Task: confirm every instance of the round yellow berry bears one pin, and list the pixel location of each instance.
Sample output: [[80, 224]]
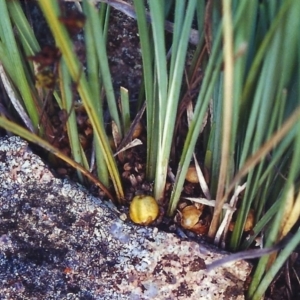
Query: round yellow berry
[[191, 175], [143, 210], [190, 216]]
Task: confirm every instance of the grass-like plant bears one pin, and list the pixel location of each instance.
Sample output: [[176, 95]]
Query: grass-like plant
[[243, 118]]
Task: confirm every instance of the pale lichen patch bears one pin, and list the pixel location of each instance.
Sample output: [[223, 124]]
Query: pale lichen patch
[[59, 242]]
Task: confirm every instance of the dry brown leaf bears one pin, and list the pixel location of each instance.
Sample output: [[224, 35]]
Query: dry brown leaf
[[201, 178], [116, 134], [135, 142]]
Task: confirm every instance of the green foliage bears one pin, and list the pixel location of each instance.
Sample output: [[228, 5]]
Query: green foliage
[[245, 116], [88, 90]]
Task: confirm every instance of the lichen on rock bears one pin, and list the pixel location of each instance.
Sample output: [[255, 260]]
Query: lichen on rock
[[57, 241]]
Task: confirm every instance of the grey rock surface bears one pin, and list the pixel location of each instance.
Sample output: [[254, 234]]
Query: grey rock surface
[[59, 242]]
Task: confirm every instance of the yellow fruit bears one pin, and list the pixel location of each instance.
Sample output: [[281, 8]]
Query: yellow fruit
[[249, 224], [249, 221], [191, 175], [137, 130], [143, 210], [190, 216]]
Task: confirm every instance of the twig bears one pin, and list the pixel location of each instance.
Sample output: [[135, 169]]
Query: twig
[[210, 202], [248, 254], [223, 228]]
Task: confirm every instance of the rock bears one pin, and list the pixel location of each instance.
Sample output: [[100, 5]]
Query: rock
[[59, 242]]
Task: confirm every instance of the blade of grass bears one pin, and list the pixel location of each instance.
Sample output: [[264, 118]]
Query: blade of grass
[[125, 112], [282, 257], [14, 99], [50, 9], [95, 82], [67, 102], [167, 107], [263, 124], [148, 78], [19, 76], [26, 33], [227, 113], [202, 102], [213, 153], [200, 19], [99, 40], [157, 16], [18, 130], [265, 148], [252, 74], [5, 61], [260, 283], [261, 224], [178, 23]]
